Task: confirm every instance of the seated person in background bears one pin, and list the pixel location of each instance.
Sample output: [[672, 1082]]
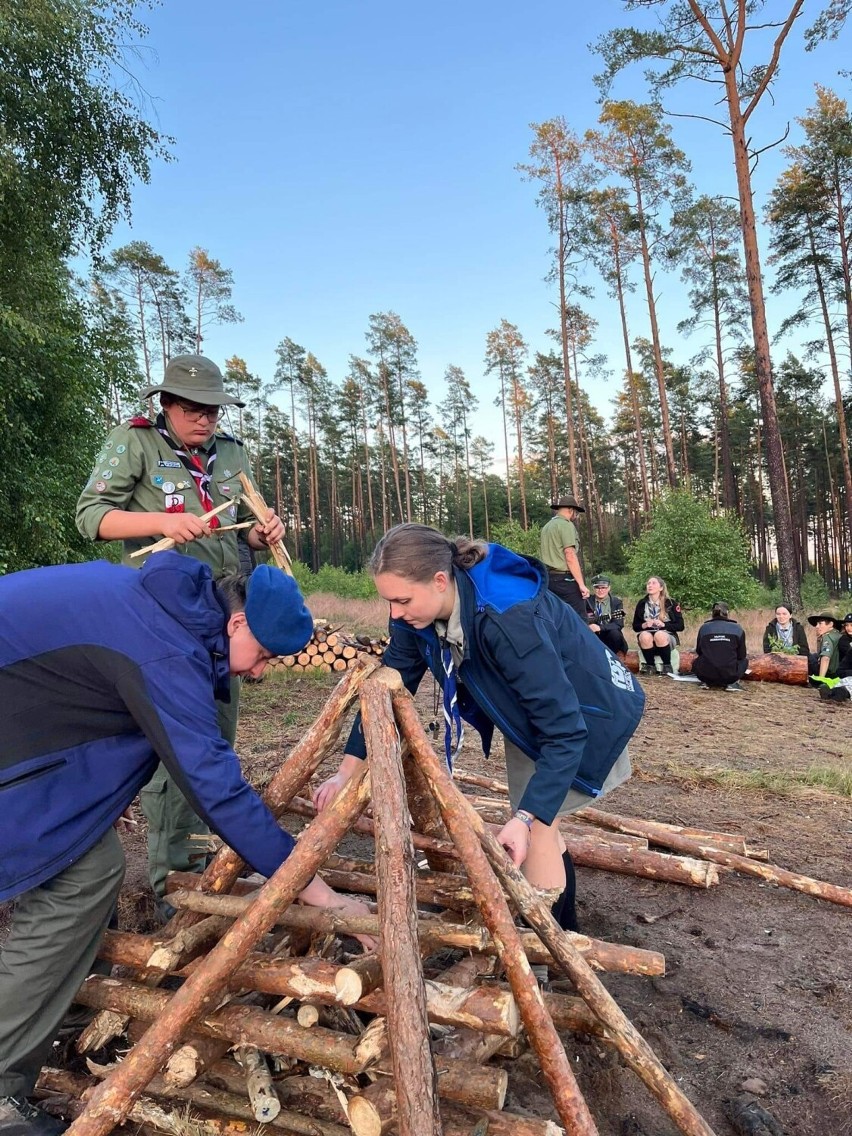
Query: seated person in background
[[658, 619], [844, 648], [605, 613], [720, 651], [824, 662], [786, 633]]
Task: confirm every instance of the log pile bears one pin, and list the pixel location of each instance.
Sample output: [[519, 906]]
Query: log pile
[[331, 649], [277, 1023]]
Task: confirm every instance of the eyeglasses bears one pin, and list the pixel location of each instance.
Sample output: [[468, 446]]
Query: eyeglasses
[[598, 587], [197, 412]]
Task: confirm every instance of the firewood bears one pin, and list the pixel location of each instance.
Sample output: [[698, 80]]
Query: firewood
[[465, 827], [311, 649], [404, 990], [328, 657], [358, 979], [265, 1105], [192, 1059], [316, 660], [333, 639], [668, 834], [349, 652], [112, 1100], [495, 913], [427, 820], [308, 1015], [339, 665], [436, 933], [167, 542], [303, 659], [252, 498]]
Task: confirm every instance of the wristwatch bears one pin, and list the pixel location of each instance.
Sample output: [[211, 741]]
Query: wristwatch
[[522, 814]]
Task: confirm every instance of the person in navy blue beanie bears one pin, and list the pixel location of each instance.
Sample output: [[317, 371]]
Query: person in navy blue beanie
[[109, 671]]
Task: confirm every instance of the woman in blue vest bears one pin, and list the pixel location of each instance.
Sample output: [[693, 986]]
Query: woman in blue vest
[[509, 655]]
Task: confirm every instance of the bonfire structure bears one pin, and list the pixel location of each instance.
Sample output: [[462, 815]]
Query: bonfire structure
[[243, 1010]]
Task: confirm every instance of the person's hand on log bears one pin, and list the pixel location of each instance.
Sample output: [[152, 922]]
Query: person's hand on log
[[515, 838], [183, 528], [319, 894], [325, 794], [272, 530]]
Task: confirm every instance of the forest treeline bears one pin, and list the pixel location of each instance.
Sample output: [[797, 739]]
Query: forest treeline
[[343, 457]]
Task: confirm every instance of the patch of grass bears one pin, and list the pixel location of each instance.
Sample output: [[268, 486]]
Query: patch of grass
[[786, 782]]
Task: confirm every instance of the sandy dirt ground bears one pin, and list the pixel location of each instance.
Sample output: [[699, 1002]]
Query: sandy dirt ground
[[756, 1003]]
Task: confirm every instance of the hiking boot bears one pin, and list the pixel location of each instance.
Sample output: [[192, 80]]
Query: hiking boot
[[703, 686], [646, 669], [734, 686], [667, 669], [20, 1118]]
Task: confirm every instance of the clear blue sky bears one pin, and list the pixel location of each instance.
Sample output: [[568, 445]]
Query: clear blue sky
[[354, 156]]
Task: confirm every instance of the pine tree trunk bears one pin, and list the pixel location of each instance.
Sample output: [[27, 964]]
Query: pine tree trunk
[[631, 381]]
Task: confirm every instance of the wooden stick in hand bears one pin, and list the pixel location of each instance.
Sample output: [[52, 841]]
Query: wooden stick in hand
[[167, 542]]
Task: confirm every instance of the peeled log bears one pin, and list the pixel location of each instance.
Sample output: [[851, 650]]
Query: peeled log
[[792, 670]]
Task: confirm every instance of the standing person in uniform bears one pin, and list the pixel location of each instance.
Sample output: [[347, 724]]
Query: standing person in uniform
[[110, 671], [605, 615], [824, 662], [158, 478], [786, 631], [657, 619], [720, 650], [560, 551], [509, 655]]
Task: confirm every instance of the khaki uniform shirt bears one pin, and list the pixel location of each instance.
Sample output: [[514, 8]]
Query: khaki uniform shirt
[[137, 470], [558, 534]]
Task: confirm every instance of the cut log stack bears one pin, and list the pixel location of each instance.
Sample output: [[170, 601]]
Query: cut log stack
[[331, 649], [325, 1043]]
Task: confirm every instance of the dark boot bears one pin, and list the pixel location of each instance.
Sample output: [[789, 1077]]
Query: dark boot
[[564, 911], [20, 1118], [665, 654]]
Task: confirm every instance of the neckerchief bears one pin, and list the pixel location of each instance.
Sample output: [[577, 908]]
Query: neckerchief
[[652, 610], [785, 634], [602, 607], [452, 717], [201, 474]]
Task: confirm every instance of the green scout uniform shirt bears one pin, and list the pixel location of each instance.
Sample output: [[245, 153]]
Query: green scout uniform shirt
[[829, 648], [558, 534], [134, 465]]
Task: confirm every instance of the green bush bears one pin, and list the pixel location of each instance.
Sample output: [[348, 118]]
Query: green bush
[[815, 597], [512, 535], [702, 557], [347, 585]]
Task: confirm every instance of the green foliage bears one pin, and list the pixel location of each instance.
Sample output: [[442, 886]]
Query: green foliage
[[777, 647], [815, 597], [512, 535], [348, 585], [702, 558]]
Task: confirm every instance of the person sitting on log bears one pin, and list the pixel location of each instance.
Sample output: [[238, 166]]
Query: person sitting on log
[[785, 635], [824, 662], [657, 619], [510, 655], [605, 615], [109, 671], [720, 651]]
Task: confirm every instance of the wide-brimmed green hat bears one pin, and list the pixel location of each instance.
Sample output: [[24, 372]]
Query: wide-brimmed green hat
[[195, 378]]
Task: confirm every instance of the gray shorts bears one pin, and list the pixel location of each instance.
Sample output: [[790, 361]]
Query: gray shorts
[[519, 769]]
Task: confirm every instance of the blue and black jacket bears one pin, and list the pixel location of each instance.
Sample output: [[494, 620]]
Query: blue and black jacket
[[104, 671], [533, 670]]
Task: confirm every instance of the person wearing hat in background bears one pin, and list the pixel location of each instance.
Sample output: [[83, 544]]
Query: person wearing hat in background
[[844, 647], [605, 615], [824, 662], [110, 671], [720, 651], [157, 479], [560, 551]]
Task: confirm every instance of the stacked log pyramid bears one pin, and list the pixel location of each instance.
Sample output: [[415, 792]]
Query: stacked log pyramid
[[325, 1046]]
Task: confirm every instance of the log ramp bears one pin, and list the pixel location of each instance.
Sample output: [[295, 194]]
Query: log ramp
[[265, 1020]]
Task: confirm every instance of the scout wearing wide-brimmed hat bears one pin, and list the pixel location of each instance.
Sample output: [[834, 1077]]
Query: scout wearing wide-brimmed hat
[[560, 551], [824, 662], [158, 477]]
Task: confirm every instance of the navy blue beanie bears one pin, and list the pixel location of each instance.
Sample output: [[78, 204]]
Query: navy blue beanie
[[276, 612]]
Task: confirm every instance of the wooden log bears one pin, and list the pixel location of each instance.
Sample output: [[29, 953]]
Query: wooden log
[[192, 1059], [339, 665], [358, 979], [251, 496], [464, 1043], [465, 827], [235, 1023], [439, 894], [495, 913], [312, 650], [112, 1100], [427, 820], [668, 835], [303, 659], [791, 670], [316, 661], [350, 652], [329, 657], [484, 1009], [642, 862], [265, 1105], [308, 1015], [373, 1113], [404, 991], [312, 1096], [207, 1097], [434, 933]]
